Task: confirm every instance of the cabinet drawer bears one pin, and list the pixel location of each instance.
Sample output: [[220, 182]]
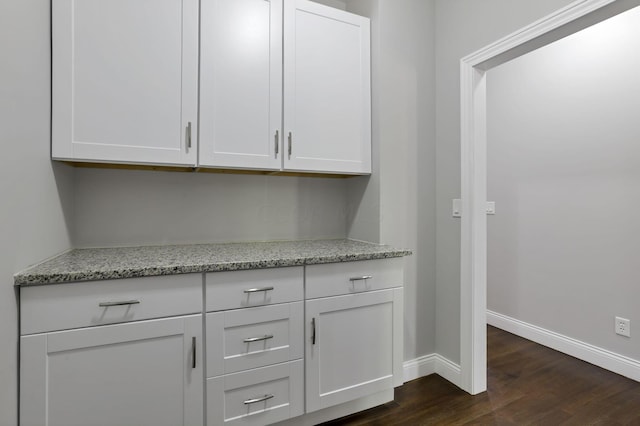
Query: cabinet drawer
[[256, 287], [254, 337], [256, 397], [333, 279], [83, 304]]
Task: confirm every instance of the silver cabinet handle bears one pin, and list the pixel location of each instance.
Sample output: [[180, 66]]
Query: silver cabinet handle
[[258, 339], [193, 352], [254, 400], [277, 142], [258, 290], [120, 303], [364, 277], [189, 135], [290, 137], [313, 331]]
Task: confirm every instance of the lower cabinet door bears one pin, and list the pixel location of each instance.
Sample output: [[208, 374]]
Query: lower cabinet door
[[142, 373], [353, 346], [256, 397]]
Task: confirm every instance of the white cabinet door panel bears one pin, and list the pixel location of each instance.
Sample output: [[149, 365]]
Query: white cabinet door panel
[[128, 374], [241, 84], [327, 101], [351, 347], [125, 80]]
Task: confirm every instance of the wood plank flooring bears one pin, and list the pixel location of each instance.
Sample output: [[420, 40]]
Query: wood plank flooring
[[529, 384]]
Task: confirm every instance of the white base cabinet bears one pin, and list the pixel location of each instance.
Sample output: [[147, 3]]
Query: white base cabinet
[[298, 344], [113, 353], [255, 366], [353, 330], [142, 373], [350, 351]]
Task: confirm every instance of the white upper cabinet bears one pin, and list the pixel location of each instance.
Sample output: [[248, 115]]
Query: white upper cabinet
[[241, 84], [327, 93], [282, 85], [327, 89], [125, 81]]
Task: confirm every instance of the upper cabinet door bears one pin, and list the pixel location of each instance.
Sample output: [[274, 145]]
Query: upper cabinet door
[[125, 81], [327, 89], [241, 84]]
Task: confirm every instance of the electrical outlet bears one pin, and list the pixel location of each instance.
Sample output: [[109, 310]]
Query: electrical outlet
[[623, 327]]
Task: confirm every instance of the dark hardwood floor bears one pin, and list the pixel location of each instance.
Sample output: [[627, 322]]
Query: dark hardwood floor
[[529, 384]]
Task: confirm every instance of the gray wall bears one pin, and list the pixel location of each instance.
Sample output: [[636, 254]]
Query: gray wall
[[338, 4], [35, 215], [406, 127], [396, 205], [130, 207], [564, 169], [462, 27]]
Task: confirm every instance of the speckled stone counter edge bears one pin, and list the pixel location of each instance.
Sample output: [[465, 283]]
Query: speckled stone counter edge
[[243, 257]]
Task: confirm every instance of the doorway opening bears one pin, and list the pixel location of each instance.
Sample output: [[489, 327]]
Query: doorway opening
[[569, 20]]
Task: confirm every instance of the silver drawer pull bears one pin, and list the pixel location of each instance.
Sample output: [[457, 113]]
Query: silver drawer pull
[[262, 398], [120, 303], [258, 339], [258, 290], [364, 277]]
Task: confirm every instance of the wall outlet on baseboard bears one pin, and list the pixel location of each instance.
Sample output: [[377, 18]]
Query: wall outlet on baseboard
[[623, 327]]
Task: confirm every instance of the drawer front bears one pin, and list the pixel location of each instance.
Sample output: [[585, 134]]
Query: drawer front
[[83, 304], [256, 287], [334, 279], [254, 337], [256, 397]]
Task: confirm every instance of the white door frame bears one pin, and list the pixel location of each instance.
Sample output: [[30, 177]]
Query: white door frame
[[473, 87]]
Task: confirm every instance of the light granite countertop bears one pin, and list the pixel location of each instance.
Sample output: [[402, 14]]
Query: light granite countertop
[[128, 262]]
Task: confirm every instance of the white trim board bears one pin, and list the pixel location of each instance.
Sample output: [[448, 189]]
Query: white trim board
[[473, 140], [595, 355], [432, 364]]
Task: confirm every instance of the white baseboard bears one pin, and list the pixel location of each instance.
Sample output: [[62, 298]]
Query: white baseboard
[[606, 359], [419, 367], [432, 364]]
